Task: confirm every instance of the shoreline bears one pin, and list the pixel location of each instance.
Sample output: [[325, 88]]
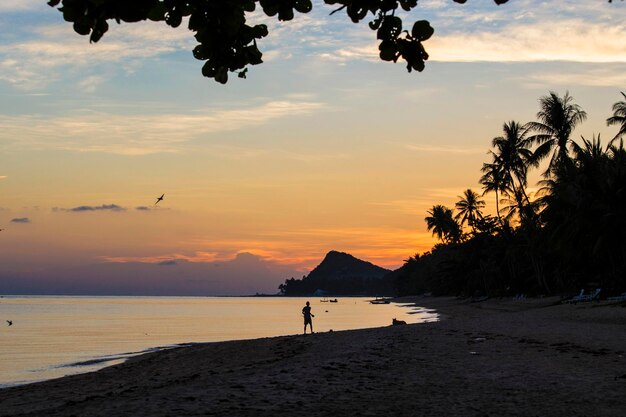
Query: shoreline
[[497, 357], [136, 337]]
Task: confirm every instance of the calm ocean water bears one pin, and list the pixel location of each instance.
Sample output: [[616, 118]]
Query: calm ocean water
[[56, 336]]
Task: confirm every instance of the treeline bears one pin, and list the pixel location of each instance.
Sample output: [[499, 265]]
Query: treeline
[[569, 234]]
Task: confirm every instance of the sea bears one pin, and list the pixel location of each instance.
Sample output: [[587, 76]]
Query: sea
[[62, 335]]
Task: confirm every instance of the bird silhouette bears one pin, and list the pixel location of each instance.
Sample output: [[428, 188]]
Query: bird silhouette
[[10, 322], [159, 199]]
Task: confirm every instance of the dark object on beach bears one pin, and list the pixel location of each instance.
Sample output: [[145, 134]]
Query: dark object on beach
[[395, 322], [10, 322], [380, 300], [334, 301]]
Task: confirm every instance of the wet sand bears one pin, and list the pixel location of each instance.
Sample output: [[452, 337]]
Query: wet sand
[[494, 358]]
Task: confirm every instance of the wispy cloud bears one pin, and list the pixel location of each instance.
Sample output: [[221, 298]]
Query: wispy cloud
[[3, 177], [306, 247], [34, 63], [609, 75], [572, 40], [167, 259], [139, 134], [103, 207], [20, 220], [444, 149], [301, 249], [91, 83], [566, 40], [20, 5]]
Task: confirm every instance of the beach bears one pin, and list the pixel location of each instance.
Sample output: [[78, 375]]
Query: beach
[[492, 358]]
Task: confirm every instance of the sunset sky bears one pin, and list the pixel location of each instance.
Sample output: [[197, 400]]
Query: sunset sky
[[322, 147]]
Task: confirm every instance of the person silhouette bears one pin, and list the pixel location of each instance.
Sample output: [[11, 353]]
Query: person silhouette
[[306, 312]]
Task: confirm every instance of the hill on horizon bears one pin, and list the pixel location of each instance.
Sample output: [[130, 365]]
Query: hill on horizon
[[340, 273]]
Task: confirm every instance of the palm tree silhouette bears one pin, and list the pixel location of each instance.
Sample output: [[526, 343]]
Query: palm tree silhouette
[[558, 117], [618, 118], [468, 208], [493, 180], [583, 207], [441, 222], [512, 157]]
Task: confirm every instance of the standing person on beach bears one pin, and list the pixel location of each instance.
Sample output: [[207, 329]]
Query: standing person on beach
[[306, 312]]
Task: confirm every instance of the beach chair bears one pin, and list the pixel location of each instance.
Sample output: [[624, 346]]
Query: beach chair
[[595, 295], [582, 297], [575, 298]]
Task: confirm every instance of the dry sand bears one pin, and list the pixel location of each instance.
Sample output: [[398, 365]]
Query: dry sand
[[494, 358]]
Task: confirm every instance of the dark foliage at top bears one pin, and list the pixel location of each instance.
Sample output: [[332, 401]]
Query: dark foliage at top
[[228, 44], [341, 274]]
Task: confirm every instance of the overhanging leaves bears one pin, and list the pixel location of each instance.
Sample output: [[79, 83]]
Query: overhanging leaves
[[228, 44]]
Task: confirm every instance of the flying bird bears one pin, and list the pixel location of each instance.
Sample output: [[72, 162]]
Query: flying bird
[[10, 322], [159, 199]]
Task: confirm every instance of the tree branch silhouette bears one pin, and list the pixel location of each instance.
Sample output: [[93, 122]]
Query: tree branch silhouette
[[228, 44]]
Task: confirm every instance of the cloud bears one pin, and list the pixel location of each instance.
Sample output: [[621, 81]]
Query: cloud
[[19, 5], [443, 149], [171, 262], [3, 177], [20, 220], [140, 134], [550, 40], [143, 208], [34, 63], [103, 207], [91, 83], [199, 256], [572, 40], [302, 249], [608, 75]]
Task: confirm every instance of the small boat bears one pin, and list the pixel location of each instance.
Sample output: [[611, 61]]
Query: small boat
[[380, 300], [334, 301]]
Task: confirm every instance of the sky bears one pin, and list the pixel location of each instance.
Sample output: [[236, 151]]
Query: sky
[[323, 147]]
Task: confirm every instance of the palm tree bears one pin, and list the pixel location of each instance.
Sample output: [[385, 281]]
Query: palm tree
[[583, 212], [512, 156], [468, 208], [558, 118], [619, 117], [441, 222], [493, 180]]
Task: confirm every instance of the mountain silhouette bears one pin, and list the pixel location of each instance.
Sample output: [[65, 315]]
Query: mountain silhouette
[[340, 273], [339, 265]]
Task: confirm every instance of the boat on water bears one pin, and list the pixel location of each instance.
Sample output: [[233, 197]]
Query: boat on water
[[380, 300]]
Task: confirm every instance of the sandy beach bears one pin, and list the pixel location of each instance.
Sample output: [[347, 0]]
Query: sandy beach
[[493, 358]]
